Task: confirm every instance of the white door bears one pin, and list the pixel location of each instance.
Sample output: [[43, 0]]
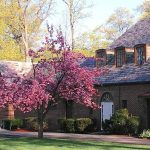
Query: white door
[[106, 111]]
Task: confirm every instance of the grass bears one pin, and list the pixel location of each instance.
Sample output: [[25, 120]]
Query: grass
[[59, 144]]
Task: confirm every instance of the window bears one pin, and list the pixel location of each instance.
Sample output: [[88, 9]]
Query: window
[[120, 56], [101, 57], [140, 54], [107, 97], [129, 57], [124, 103]]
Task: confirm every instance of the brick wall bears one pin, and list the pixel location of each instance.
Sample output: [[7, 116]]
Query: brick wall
[[136, 105]]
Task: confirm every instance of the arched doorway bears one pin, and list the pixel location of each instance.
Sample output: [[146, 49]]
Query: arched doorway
[[107, 107]]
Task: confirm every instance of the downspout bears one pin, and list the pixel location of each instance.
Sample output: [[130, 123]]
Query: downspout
[[119, 94]]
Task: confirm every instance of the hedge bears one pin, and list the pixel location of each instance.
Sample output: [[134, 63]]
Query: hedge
[[79, 125], [82, 124], [31, 123], [12, 124]]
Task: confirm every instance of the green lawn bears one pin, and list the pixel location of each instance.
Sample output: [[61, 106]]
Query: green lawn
[[58, 144]]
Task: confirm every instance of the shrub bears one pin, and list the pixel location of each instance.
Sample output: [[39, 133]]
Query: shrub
[[133, 124], [31, 123], [122, 112], [82, 124], [12, 124], [69, 125], [145, 134], [78, 125], [122, 123], [119, 125], [118, 121]]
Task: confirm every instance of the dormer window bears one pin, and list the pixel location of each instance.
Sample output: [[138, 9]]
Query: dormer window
[[140, 54], [101, 57], [120, 56]]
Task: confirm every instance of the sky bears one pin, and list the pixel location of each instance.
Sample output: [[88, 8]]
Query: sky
[[104, 8], [99, 13]]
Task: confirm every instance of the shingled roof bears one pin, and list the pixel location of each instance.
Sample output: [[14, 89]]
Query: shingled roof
[[137, 34], [129, 73]]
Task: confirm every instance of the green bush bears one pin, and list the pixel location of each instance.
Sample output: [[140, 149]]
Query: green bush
[[133, 124], [69, 125], [78, 125], [145, 134], [118, 121], [31, 123], [122, 123], [122, 112], [82, 124], [12, 124]]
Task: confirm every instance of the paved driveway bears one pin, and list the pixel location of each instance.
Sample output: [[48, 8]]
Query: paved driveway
[[94, 137]]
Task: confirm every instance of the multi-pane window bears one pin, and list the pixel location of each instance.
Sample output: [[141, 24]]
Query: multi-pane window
[[107, 97], [120, 57], [124, 103], [140, 55], [101, 57]]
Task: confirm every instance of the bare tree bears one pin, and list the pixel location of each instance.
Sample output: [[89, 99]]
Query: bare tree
[[76, 12], [117, 23]]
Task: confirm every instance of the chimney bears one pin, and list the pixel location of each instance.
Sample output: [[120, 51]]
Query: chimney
[[101, 58]]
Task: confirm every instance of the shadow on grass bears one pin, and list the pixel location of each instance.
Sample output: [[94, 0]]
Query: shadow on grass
[[69, 144]]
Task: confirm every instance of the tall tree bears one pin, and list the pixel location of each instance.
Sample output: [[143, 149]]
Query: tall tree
[[24, 20], [9, 49], [117, 23], [144, 9], [76, 12], [88, 42], [103, 35]]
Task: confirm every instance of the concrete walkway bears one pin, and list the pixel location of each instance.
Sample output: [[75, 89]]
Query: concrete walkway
[[93, 137]]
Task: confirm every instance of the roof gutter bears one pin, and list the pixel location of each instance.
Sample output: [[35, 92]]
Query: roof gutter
[[123, 83]]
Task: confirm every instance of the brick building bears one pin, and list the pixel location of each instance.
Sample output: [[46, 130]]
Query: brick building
[[126, 85]]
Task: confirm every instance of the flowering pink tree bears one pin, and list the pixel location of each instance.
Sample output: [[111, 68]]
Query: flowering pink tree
[[59, 77], [55, 80], [2, 91], [7, 91]]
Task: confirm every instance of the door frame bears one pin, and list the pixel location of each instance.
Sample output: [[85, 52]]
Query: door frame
[[102, 112], [106, 97]]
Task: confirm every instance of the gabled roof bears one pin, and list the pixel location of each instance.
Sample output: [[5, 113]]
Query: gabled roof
[[137, 34], [129, 73]]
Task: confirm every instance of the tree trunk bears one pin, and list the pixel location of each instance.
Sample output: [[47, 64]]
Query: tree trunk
[[25, 37], [40, 125], [71, 21], [40, 130]]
